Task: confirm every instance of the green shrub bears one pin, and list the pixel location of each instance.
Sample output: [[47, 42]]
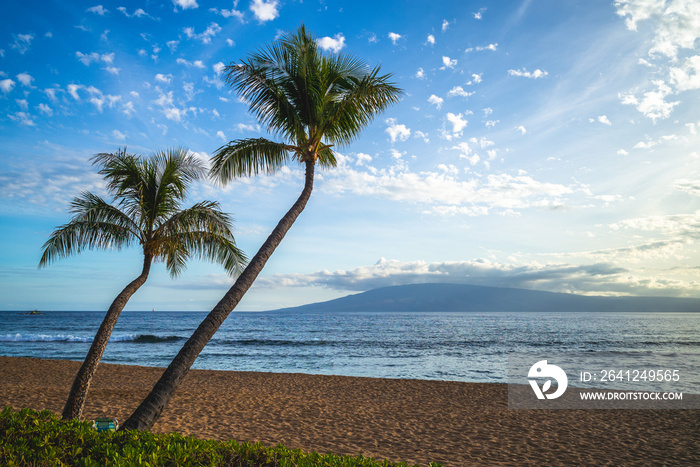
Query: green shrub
[[31, 438]]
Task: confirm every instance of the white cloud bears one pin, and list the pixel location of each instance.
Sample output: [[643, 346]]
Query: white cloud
[[196, 63], [445, 25], [691, 187], [673, 32], [22, 118], [687, 76], [22, 42], [247, 127], [26, 79], [459, 91], [394, 37], [118, 135], [676, 22], [622, 152], [161, 78], [362, 158], [458, 123], [431, 39], [435, 100], [23, 104], [527, 74], [185, 4], [229, 13], [112, 70], [653, 103], [444, 193], [476, 79], [397, 131], [335, 44], [45, 109], [467, 153], [73, 90], [220, 134], [98, 10], [128, 109], [264, 11], [230, 43], [93, 57], [423, 136], [205, 37], [396, 154], [521, 129], [644, 145], [218, 67], [174, 114], [448, 62], [604, 120], [480, 48], [138, 13], [420, 74]]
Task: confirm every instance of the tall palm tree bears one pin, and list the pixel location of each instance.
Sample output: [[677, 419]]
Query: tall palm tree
[[313, 101], [148, 194]]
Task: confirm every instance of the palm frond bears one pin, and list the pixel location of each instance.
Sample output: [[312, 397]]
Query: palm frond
[[354, 104], [312, 99], [246, 157], [326, 158], [173, 172], [202, 231], [95, 225], [203, 245]]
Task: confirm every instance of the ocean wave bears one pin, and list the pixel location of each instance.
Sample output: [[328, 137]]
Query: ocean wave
[[273, 342], [137, 338]]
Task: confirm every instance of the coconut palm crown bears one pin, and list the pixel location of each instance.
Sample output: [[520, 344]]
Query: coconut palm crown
[[313, 102], [148, 194]]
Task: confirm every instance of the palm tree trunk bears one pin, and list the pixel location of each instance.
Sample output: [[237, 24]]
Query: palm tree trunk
[[150, 409], [81, 384]]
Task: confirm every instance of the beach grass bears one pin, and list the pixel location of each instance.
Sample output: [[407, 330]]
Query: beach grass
[[42, 439]]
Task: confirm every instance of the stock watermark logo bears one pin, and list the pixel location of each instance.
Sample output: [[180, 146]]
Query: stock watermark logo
[[542, 369]]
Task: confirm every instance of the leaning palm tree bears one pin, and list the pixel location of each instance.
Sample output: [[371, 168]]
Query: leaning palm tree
[[314, 102], [148, 194]]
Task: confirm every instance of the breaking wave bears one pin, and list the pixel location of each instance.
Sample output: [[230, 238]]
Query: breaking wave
[[137, 338]]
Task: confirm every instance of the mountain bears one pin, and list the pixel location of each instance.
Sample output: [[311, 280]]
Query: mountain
[[460, 297]]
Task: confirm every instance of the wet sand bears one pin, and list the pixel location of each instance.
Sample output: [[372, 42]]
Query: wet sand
[[414, 421]]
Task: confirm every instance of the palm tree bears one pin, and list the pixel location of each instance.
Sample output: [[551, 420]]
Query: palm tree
[[149, 192], [311, 100]]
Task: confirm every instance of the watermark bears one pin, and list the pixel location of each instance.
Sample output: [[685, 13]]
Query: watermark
[[542, 369], [605, 380]]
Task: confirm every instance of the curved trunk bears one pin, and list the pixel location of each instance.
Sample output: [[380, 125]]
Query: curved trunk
[[150, 409], [81, 384]]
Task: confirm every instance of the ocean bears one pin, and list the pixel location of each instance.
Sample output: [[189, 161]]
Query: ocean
[[470, 347]]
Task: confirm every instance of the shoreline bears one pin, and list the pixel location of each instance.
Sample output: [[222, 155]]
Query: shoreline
[[415, 421]]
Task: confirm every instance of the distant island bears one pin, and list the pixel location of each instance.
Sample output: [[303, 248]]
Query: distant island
[[474, 298]]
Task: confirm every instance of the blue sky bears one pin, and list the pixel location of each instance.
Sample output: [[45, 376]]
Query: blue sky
[[540, 144]]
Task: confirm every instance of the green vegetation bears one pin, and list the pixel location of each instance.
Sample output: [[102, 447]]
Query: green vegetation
[[41, 439]]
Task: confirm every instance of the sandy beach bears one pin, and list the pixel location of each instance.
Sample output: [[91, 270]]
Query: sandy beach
[[401, 420]]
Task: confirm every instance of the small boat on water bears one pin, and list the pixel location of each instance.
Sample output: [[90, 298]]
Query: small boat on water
[[33, 312]]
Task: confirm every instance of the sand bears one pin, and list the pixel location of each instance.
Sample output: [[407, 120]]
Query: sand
[[413, 421]]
